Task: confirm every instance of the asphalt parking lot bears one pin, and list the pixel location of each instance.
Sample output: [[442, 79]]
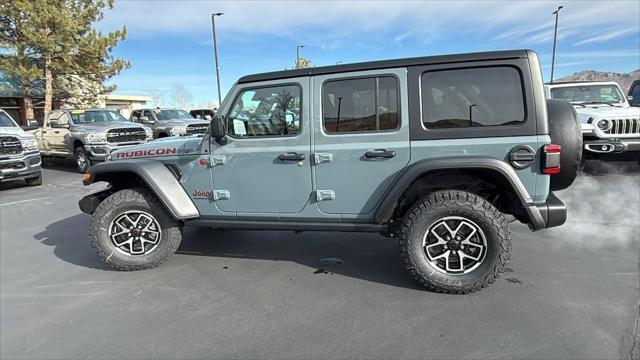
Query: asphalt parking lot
[[570, 292]]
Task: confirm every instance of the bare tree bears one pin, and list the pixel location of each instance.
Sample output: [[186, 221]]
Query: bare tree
[[181, 97], [157, 96]]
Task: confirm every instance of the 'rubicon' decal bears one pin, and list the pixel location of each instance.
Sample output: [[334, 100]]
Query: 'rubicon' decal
[[203, 194], [146, 153]]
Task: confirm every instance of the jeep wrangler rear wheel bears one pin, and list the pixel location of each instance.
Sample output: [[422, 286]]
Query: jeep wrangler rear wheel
[[455, 242], [131, 230]]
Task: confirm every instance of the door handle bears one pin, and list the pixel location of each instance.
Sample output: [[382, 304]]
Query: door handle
[[380, 154], [292, 156], [56, 132]]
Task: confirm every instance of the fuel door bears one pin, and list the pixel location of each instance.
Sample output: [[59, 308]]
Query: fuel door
[[521, 156]]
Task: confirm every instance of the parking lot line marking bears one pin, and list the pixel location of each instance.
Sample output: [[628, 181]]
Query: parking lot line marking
[[22, 201]]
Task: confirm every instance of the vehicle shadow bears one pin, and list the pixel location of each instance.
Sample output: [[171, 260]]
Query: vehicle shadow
[[66, 165], [69, 239], [365, 256], [368, 257], [12, 184]]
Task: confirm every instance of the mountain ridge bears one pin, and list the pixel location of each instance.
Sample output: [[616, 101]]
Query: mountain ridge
[[623, 79]]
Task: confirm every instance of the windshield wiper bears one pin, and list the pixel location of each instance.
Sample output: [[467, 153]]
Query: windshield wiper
[[597, 103]]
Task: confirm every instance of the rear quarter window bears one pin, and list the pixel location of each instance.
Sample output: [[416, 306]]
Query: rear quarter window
[[472, 97]]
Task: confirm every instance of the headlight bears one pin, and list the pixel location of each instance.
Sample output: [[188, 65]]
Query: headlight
[[149, 133], [604, 125], [29, 144], [96, 138], [177, 131]]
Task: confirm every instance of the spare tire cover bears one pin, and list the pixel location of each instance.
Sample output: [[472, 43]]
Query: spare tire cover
[[565, 130]]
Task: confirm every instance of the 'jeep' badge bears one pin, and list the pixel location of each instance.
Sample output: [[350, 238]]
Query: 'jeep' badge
[[202, 194]]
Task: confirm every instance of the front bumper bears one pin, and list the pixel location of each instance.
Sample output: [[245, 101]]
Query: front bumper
[[615, 149], [99, 152], [21, 166], [552, 213]]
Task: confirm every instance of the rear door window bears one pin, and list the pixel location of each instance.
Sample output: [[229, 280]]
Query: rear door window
[[360, 105], [472, 97]]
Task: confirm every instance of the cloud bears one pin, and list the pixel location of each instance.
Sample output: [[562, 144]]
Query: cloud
[[606, 36], [515, 22]]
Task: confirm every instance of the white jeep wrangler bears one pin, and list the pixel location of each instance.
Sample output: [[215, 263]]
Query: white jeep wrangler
[[610, 126]]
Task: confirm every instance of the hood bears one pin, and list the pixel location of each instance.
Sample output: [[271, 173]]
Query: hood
[[182, 122], [98, 127], [16, 131], [606, 112], [169, 146]]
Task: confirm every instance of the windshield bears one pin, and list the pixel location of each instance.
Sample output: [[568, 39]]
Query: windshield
[[5, 121], [169, 114], [589, 94], [95, 116]]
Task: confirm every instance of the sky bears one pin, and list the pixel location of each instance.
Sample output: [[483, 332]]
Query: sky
[[169, 43]]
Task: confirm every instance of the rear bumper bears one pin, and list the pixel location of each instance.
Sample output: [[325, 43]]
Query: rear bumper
[[20, 167], [618, 149], [552, 213]]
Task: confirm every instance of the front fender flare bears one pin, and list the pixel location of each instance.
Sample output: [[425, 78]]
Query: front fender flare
[[157, 176], [385, 209]]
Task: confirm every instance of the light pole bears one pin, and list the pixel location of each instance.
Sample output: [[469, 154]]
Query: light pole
[[298, 55], [215, 54], [555, 35]]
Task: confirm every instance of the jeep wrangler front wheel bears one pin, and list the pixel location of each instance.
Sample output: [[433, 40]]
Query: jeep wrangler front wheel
[[131, 230], [455, 242]]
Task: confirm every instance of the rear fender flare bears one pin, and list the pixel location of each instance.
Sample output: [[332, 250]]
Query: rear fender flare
[[385, 209], [158, 178]]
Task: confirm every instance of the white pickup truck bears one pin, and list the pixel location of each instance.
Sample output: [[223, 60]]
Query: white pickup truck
[[610, 126]]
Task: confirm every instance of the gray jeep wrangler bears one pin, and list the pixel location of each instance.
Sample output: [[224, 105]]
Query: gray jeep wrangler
[[435, 151]]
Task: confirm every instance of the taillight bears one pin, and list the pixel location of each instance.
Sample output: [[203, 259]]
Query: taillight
[[551, 161]]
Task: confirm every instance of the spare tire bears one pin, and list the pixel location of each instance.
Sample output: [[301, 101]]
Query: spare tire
[[565, 130]]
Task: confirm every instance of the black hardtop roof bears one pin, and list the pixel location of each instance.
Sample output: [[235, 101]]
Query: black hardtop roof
[[387, 64]]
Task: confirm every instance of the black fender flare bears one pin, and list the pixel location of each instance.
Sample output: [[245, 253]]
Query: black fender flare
[[384, 212], [158, 178]]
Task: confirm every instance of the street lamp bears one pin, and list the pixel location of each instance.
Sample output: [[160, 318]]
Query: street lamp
[[215, 54], [555, 35], [298, 55]]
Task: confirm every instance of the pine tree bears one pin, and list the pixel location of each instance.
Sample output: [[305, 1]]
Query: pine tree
[[18, 57], [74, 59]]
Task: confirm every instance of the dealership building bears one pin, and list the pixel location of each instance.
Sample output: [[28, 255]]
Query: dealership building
[[12, 100]]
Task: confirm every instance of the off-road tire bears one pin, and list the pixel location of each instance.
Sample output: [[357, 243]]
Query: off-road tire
[[80, 151], [34, 181], [442, 204], [128, 200]]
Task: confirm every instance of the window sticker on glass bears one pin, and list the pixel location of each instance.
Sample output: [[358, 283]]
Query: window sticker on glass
[[238, 128]]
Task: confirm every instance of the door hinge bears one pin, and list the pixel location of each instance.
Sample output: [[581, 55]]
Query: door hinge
[[221, 195], [323, 195], [218, 160], [319, 158]]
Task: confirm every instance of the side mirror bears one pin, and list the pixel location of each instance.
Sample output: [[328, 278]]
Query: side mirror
[[207, 117], [56, 124], [146, 120], [217, 129]]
